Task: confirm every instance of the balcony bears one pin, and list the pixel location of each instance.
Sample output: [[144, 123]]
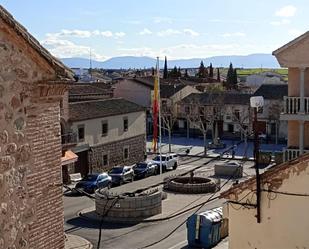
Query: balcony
[[291, 153], [292, 105], [68, 140]]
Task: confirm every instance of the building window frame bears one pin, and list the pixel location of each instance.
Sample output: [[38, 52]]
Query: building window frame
[[104, 128], [126, 153], [125, 124], [81, 132]]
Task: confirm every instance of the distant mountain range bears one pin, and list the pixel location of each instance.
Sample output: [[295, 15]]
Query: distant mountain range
[[126, 62]]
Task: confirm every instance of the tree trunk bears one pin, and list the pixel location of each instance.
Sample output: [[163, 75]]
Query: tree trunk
[[169, 141], [246, 146], [188, 129], [205, 144]]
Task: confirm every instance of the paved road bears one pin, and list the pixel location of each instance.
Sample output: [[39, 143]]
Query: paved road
[[139, 235]]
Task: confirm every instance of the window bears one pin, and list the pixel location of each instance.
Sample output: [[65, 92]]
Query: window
[[81, 132], [126, 153], [105, 160], [201, 110], [125, 124], [104, 128]]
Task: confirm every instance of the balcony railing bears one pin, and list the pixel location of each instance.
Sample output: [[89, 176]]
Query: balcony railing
[[291, 153], [69, 138], [292, 105]]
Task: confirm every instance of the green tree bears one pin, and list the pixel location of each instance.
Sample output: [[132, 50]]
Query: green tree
[[230, 77], [218, 75], [165, 72], [186, 73], [202, 71], [179, 72], [174, 73], [211, 71], [235, 78]]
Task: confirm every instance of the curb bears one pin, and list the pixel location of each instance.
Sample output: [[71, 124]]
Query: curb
[[75, 241]]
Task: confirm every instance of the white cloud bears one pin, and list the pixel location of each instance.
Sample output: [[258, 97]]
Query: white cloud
[[75, 33], [66, 49], [236, 34], [145, 31], [106, 33], [286, 11], [86, 33], [191, 32], [280, 22], [169, 32], [295, 32], [119, 34], [197, 51]]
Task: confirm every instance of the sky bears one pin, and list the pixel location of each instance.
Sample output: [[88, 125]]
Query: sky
[[173, 28]]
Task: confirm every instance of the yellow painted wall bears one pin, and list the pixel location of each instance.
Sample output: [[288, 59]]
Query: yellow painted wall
[[284, 219]]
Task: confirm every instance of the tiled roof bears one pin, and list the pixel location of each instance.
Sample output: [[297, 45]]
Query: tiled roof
[[272, 91], [149, 81], [85, 89], [59, 67], [167, 91], [228, 98], [85, 110]]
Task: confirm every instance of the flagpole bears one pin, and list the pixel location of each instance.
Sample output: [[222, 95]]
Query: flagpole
[[159, 106]]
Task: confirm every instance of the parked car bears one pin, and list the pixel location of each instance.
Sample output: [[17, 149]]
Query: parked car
[[144, 169], [121, 174], [169, 161], [91, 182]]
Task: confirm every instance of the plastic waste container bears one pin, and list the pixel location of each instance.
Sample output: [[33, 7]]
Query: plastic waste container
[[203, 229]]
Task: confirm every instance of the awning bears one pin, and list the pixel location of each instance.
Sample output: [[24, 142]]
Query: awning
[[69, 157]]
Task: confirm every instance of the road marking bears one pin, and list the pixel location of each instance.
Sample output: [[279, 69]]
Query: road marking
[[179, 244]]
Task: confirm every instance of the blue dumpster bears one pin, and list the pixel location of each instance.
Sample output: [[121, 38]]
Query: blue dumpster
[[203, 229]]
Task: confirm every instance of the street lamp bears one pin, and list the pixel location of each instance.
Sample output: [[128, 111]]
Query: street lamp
[[256, 103]]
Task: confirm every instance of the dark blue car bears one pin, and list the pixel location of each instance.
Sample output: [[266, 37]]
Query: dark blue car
[[92, 182]]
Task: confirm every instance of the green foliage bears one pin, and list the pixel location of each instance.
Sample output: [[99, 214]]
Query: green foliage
[[165, 72], [218, 75], [211, 71], [175, 73], [202, 71]]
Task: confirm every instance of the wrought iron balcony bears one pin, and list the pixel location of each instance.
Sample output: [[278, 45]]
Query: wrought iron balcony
[[69, 138]]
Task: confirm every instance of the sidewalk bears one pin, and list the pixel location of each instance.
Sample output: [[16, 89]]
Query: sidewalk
[[76, 242]]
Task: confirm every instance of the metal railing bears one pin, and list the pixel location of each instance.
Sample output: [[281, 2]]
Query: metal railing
[[69, 138]]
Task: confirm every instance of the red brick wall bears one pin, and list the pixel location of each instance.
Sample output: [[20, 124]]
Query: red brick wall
[[44, 178]]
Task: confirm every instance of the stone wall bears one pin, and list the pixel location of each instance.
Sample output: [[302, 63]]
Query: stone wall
[[30, 195], [137, 149], [128, 209]]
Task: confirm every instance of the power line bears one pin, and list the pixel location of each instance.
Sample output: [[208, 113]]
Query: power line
[[201, 205], [285, 193]]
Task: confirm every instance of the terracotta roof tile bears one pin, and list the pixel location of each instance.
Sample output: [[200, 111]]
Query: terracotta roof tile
[[85, 110]]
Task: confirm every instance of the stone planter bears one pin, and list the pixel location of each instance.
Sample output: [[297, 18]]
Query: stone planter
[[128, 208], [184, 185]]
